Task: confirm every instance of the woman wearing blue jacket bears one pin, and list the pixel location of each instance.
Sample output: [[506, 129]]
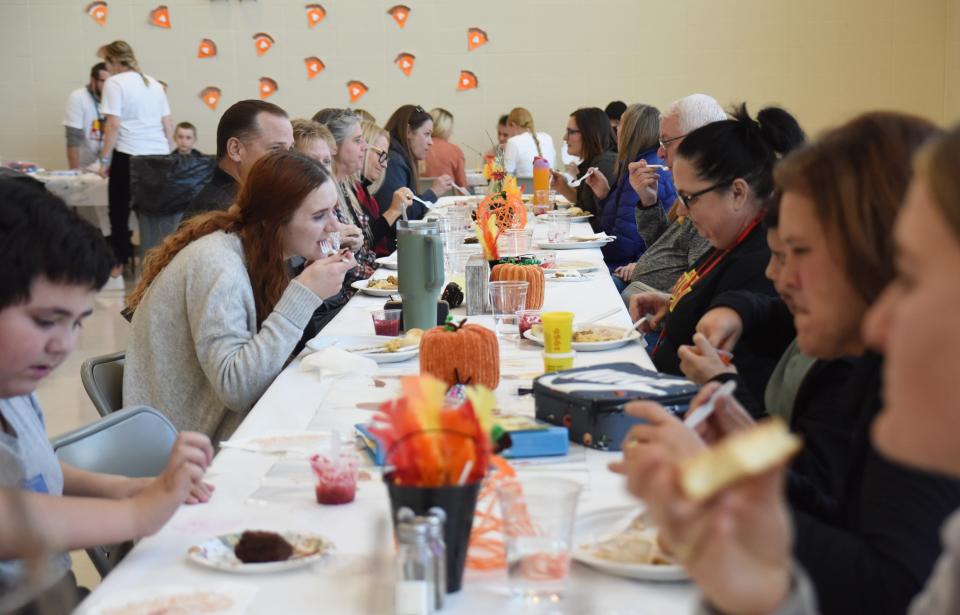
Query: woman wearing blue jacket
[[638, 138]]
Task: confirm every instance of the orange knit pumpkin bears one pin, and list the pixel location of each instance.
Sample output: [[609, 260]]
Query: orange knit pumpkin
[[524, 273], [461, 354]]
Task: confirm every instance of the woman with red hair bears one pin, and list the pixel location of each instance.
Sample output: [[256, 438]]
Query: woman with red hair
[[216, 315]]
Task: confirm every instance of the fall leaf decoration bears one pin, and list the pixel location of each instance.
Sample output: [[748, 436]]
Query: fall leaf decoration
[[433, 439], [400, 14], [356, 90], [160, 16], [404, 62], [315, 14], [468, 81], [267, 87], [98, 11], [210, 96], [315, 66], [476, 38], [207, 49], [263, 41]]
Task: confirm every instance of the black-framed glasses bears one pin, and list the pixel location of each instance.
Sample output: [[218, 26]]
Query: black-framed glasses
[[572, 131], [381, 155], [688, 199], [665, 143]]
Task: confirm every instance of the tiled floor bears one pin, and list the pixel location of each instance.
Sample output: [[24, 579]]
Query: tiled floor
[[64, 401]]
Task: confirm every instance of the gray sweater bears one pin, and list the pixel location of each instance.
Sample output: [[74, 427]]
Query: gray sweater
[[673, 249], [194, 350], [941, 596]]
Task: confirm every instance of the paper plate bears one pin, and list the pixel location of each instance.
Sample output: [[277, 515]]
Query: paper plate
[[537, 337], [354, 343], [573, 219], [574, 245], [388, 262], [593, 527], [361, 285], [217, 553]]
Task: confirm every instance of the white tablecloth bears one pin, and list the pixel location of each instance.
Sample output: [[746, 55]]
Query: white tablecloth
[[346, 583]]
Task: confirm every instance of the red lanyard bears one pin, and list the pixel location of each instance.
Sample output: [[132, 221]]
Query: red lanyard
[[685, 282]]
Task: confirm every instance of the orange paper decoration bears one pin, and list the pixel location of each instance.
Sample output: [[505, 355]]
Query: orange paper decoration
[[315, 66], [98, 11], [404, 62], [207, 49], [267, 87], [263, 41], [160, 16], [356, 89], [400, 14], [468, 81], [315, 14], [476, 38], [210, 96]]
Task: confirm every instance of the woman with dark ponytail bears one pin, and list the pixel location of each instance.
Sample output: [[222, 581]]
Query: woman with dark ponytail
[[723, 173]]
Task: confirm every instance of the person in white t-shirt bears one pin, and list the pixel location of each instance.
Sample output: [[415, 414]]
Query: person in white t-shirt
[[83, 122], [524, 144], [138, 123]]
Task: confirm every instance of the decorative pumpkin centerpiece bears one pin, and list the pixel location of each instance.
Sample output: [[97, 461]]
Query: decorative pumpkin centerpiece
[[460, 353], [531, 273]]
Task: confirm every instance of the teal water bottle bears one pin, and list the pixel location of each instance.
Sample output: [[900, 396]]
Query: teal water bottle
[[420, 268]]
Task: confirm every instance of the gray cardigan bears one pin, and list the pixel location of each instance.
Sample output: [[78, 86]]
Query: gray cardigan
[[941, 596], [194, 350]]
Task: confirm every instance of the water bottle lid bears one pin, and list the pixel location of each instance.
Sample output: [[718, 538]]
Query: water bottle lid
[[414, 531]]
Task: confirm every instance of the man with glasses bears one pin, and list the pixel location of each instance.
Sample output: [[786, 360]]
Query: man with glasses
[[673, 242], [83, 121]]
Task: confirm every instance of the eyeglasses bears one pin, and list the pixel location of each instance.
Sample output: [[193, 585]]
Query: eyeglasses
[[665, 143], [572, 131], [381, 155], [688, 199]]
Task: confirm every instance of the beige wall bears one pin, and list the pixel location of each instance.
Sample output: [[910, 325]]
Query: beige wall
[[822, 59]]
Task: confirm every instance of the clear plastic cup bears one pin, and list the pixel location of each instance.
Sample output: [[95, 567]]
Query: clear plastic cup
[[386, 322], [538, 517], [336, 483], [558, 227], [514, 242], [526, 319], [507, 298]]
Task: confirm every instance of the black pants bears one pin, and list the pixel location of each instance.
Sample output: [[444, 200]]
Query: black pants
[[118, 198]]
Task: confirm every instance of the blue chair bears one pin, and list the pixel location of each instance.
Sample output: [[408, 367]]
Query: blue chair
[[102, 378], [133, 442]]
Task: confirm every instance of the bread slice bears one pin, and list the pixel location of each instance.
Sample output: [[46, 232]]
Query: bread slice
[[742, 454]]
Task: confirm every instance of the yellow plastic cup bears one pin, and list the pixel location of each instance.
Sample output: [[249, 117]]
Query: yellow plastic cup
[[558, 362], [557, 332]]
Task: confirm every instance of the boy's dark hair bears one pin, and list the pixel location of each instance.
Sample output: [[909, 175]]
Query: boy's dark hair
[[187, 126], [615, 109], [95, 71], [41, 237]]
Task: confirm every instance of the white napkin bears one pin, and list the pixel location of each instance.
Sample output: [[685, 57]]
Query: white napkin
[[333, 362]]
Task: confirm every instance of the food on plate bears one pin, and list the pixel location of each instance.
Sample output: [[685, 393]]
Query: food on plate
[[574, 212], [597, 334], [742, 454], [258, 547], [561, 274], [635, 545], [410, 338], [471, 239], [388, 283]]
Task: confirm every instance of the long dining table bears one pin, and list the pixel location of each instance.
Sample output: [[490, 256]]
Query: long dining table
[[261, 491]]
